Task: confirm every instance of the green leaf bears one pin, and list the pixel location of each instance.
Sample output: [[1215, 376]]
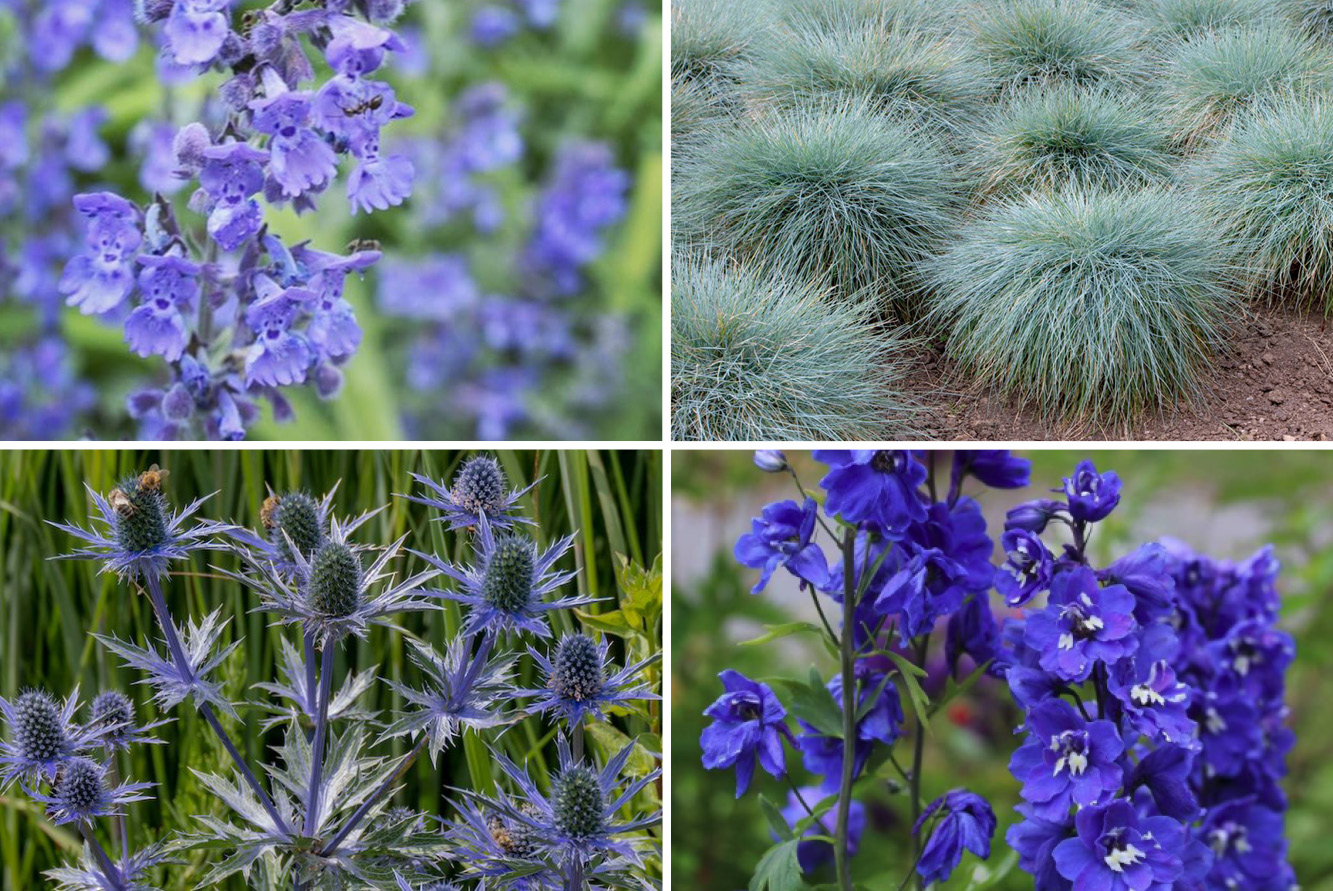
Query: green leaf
[[954, 690], [778, 869], [811, 702], [774, 632], [613, 622], [986, 877], [905, 665], [907, 677], [776, 821]]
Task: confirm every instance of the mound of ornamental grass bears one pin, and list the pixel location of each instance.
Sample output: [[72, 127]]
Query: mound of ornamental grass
[[920, 77], [833, 192], [1089, 304], [1191, 19], [1313, 17], [1269, 187], [710, 40], [1210, 79], [1046, 139], [941, 16], [1041, 42], [762, 357], [695, 109]]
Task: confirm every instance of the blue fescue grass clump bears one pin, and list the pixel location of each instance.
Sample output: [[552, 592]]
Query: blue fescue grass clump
[[1088, 304], [1039, 42], [1270, 187], [941, 16], [1045, 139], [710, 40], [917, 76], [1206, 81], [1313, 17], [767, 357], [834, 192], [1191, 19]]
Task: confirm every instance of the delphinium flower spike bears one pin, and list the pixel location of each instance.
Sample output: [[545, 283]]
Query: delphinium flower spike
[[479, 491], [581, 681]]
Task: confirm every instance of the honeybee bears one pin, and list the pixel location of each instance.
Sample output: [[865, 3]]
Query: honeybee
[[121, 503], [362, 244], [153, 479], [268, 513]]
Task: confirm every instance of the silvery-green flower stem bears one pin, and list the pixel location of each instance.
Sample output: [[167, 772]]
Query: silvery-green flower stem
[[843, 824], [206, 709], [379, 793], [321, 738], [109, 870], [310, 683], [119, 822]]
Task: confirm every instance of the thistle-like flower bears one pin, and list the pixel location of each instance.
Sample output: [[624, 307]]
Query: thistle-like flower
[[577, 820], [330, 593], [172, 682], [80, 793], [478, 495], [113, 720], [506, 586], [464, 689], [294, 522], [142, 534], [42, 736], [499, 850], [580, 680]]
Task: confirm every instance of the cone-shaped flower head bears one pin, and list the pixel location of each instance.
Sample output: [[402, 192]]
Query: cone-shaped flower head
[[580, 680], [577, 668], [479, 492], [294, 520], [80, 793], [479, 486], [335, 580], [507, 582], [578, 803], [141, 510], [42, 736]]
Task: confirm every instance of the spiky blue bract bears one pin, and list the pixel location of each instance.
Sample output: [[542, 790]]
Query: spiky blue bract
[[497, 849], [112, 718], [1048, 139], [172, 683], [81, 794], [505, 590], [576, 824], [1033, 43], [1207, 81], [124, 548], [1191, 19], [40, 735], [1313, 17], [1089, 304], [914, 76], [834, 192], [479, 491], [580, 680], [137, 875], [1269, 187], [758, 356], [464, 688]]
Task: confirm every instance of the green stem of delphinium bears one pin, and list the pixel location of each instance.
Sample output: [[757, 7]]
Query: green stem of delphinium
[[918, 752], [841, 858]]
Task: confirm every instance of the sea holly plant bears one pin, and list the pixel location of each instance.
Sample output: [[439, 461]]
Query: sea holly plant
[[319, 813], [1152, 738]]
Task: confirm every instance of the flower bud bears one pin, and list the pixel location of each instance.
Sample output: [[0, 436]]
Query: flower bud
[[510, 571], [770, 460], [1032, 516], [576, 670], [335, 580], [114, 712]]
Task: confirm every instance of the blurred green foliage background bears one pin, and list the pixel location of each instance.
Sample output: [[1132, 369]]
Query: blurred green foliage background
[[1224, 503], [611, 502], [583, 79]]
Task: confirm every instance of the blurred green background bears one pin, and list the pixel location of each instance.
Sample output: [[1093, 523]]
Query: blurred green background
[[585, 78], [1223, 503], [611, 502]]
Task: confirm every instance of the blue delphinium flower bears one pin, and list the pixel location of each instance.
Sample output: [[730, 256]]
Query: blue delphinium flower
[[1035, 839], [1091, 495], [1117, 850], [479, 491], [81, 793], [464, 688], [1067, 760], [782, 538], [876, 487], [42, 736], [506, 589], [1027, 569], [1033, 516], [965, 822], [814, 854], [749, 723], [996, 468], [1082, 624], [581, 681], [142, 535], [1156, 704], [880, 720]]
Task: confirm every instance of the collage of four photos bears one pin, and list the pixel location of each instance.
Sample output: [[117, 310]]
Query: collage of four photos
[[636, 445]]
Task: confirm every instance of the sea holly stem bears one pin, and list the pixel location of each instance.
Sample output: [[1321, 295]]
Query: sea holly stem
[[321, 735], [177, 653], [310, 683], [842, 860], [408, 760], [113, 875]]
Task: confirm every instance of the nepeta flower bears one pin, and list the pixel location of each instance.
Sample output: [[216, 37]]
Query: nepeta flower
[[80, 793], [505, 589], [1027, 568], [169, 286], [279, 355], [1117, 850], [1091, 495], [1082, 624], [42, 736], [748, 723], [478, 493], [99, 280], [142, 534], [966, 823], [172, 682], [465, 688], [581, 681], [876, 487], [299, 160], [781, 538], [1066, 760]]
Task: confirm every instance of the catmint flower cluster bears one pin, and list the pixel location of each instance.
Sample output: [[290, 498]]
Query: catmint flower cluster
[[909, 559], [492, 358], [1152, 691], [321, 813]]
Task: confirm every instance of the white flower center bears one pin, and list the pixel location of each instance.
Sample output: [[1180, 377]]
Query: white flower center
[[1122, 857]]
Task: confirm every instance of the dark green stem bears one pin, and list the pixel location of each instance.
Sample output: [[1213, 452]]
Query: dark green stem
[[841, 859], [918, 752]]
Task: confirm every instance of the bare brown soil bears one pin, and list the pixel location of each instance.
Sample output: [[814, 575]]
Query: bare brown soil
[[1275, 383]]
